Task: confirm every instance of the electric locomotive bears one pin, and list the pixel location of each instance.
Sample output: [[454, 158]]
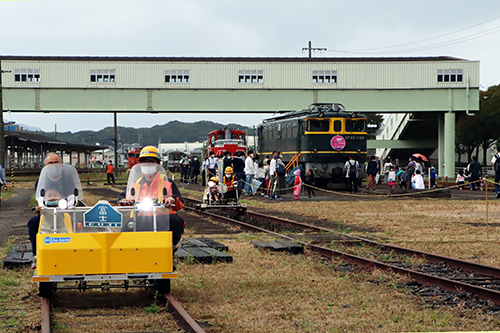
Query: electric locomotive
[[320, 137]]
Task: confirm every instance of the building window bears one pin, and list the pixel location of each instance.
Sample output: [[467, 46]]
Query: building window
[[102, 75], [327, 77], [27, 75], [450, 75], [177, 76], [251, 76]]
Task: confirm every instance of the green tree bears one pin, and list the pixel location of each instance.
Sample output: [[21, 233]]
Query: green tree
[[373, 124], [487, 121]]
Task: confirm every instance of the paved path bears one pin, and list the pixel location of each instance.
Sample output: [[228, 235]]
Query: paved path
[[14, 215]]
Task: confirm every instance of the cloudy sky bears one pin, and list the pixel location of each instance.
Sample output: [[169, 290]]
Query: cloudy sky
[[251, 28]]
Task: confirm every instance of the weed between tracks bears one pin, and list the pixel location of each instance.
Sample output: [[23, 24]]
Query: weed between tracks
[[277, 292], [446, 227]]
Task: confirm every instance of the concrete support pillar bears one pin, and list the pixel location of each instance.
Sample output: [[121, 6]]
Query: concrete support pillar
[[449, 145], [441, 145]]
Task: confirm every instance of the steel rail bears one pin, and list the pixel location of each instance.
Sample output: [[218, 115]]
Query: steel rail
[[183, 319], [430, 257], [45, 323], [423, 278]]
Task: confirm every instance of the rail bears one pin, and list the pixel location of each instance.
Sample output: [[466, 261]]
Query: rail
[[423, 278], [182, 318]]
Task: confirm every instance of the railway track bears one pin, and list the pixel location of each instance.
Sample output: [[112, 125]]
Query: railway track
[[182, 318], [450, 274]]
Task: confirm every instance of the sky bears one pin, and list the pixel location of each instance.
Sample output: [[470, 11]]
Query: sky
[[251, 28]]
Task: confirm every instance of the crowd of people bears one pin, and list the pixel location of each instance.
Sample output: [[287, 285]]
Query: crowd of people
[[411, 176], [253, 174]]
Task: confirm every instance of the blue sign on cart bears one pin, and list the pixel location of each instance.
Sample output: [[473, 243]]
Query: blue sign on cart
[[102, 215]]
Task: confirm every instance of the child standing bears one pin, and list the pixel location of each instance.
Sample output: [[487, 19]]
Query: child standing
[[433, 176], [391, 177], [298, 184], [402, 178], [310, 180], [460, 179]]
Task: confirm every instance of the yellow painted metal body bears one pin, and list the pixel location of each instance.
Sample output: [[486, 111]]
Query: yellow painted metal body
[[104, 253]]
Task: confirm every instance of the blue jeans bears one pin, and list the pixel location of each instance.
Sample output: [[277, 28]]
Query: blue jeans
[[497, 179], [248, 185], [239, 176]]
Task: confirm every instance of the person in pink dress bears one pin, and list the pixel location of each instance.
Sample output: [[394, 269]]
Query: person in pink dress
[[297, 185]]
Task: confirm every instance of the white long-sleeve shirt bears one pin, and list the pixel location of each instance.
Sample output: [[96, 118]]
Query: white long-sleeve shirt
[[249, 168]]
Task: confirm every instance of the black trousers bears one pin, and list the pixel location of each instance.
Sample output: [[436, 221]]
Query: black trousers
[[33, 225], [352, 183], [111, 177]]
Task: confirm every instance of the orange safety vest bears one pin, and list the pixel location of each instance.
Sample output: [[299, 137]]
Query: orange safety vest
[[110, 168], [229, 182], [155, 191]]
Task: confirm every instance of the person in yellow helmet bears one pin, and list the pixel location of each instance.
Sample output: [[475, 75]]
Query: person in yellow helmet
[[230, 182], [212, 189], [153, 183]]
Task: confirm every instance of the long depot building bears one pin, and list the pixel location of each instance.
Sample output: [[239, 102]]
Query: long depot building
[[436, 86]]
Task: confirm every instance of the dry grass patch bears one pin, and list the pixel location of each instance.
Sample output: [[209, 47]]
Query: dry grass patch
[[277, 292], [447, 227]]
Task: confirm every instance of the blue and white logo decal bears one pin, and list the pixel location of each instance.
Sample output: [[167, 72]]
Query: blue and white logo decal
[[56, 240]]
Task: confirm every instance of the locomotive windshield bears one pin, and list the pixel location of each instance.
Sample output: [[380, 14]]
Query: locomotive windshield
[[317, 125], [355, 126]]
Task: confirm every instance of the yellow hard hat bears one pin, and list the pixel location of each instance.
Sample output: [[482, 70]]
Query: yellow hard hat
[[228, 170], [149, 151], [213, 179]]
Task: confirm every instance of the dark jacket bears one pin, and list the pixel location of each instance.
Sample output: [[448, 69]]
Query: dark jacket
[[371, 169], [475, 169], [410, 170], [310, 180], [195, 166], [238, 164]]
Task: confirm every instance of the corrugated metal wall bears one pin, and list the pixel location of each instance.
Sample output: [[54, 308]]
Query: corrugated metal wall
[[224, 75]]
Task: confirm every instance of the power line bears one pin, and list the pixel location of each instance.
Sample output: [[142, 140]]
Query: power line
[[445, 43]]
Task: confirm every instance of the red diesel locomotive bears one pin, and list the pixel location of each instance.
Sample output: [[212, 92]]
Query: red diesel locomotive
[[226, 139]]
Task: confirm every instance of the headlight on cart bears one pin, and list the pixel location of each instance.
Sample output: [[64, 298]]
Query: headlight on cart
[[63, 204]]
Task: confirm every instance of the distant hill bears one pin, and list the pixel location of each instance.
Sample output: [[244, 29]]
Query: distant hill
[[173, 131]]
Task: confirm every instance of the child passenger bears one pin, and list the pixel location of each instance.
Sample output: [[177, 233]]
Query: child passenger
[[212, 189]]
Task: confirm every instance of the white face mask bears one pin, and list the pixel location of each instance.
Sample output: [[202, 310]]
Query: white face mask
[[148, 169], [228, 175]]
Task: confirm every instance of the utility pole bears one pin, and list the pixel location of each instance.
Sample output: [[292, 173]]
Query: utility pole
[[2, 134], [116, 144], [310, 48]]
